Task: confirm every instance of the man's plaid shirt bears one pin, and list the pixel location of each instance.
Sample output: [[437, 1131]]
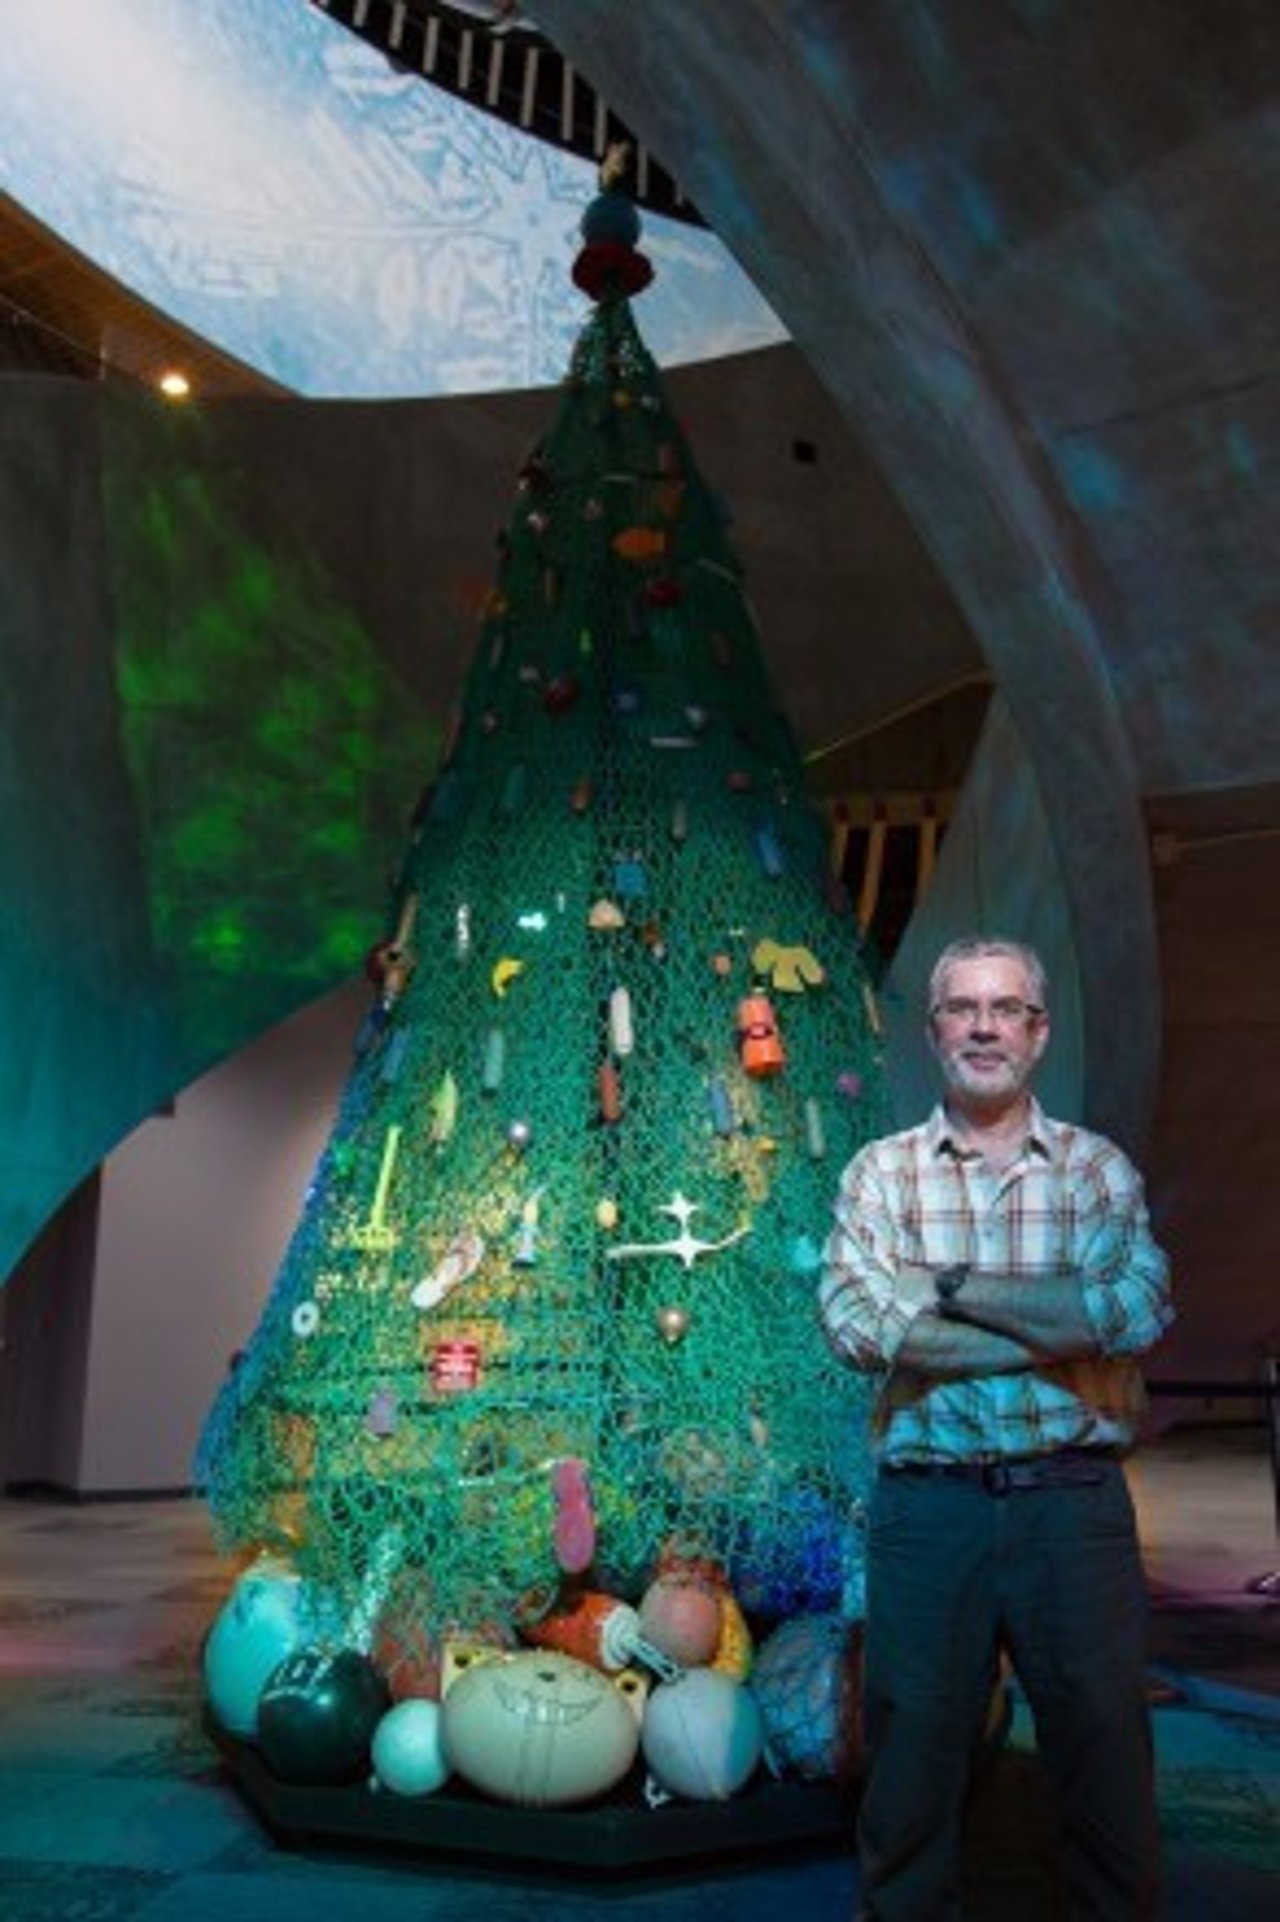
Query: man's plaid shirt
[[1071, 1202]]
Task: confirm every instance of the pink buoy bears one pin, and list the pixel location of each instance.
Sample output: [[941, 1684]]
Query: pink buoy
[[682, 1619]]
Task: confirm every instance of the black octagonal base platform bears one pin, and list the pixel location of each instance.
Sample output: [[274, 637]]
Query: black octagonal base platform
[[619, 1833]]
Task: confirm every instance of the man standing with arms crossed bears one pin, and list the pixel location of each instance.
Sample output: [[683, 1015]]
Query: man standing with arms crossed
[[996, 1269]]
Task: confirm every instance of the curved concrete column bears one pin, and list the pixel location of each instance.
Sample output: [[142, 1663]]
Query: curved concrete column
[[754, 107]]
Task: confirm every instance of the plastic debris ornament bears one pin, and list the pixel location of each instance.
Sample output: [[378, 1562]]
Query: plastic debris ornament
[[804, 1257], [455, 1367], [790, 969], [460, 1259], [640, 543], [560, 694], [685, 1247], [762, 1049], [673, 1323], [410, 1662], [494, 1062], [375, 1235], [735, 1651], [504, 973], [609, 1092], [814, 1542], [575, 1523], [525, 1248], [595, 1628], [390, 964], [383, 1414]]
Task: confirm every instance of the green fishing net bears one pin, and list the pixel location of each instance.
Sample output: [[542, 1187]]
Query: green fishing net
[[620, 1044]]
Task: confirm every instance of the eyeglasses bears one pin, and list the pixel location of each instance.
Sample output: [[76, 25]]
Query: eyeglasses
[[1006, 1012]]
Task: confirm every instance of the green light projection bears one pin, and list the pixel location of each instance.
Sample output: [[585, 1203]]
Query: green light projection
[[273, 753]]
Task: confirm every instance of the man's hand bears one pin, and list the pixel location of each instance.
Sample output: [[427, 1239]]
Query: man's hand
[[915, 1286]]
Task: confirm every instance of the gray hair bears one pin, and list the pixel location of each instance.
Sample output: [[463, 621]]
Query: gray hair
[[975, 947]]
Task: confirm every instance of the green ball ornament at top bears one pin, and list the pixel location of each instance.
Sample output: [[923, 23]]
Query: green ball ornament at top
[[611, 220], [317, 1716]]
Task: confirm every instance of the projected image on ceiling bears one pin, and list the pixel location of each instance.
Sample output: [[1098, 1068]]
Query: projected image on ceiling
[[277, 185]]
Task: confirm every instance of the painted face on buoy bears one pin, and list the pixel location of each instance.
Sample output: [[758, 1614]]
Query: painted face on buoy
[[542, 1700], [539, 1728]]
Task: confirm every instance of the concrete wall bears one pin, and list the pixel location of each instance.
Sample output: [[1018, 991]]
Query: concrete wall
[[121, 1322], [45, 1318]]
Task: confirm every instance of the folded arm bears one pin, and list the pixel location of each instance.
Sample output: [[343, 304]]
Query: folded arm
[[937, 1345], [881, 1313], [1115, 1301], [1049, 1314]]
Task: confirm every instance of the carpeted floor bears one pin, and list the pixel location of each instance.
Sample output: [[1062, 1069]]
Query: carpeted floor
[[113, 1805]]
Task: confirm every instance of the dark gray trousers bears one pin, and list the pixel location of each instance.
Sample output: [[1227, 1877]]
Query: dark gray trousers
[[1053, 1575]]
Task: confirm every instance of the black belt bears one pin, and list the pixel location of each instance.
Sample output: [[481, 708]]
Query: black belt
[[1064, 1468]]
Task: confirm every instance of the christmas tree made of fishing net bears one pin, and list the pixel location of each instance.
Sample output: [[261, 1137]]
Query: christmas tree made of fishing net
[[550, 1304]]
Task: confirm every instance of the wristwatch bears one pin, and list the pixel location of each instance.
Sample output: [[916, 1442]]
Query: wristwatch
[[948, 1282]]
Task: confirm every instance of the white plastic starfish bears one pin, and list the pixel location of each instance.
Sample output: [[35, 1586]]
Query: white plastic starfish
[[686, 1247]]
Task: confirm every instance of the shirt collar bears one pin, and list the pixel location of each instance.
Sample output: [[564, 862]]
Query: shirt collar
[[943, 1140]]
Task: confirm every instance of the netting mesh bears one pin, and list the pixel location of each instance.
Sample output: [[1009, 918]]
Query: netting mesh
[[572, 1203]]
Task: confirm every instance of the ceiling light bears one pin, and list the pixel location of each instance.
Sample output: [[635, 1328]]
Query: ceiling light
[[174, 386]]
